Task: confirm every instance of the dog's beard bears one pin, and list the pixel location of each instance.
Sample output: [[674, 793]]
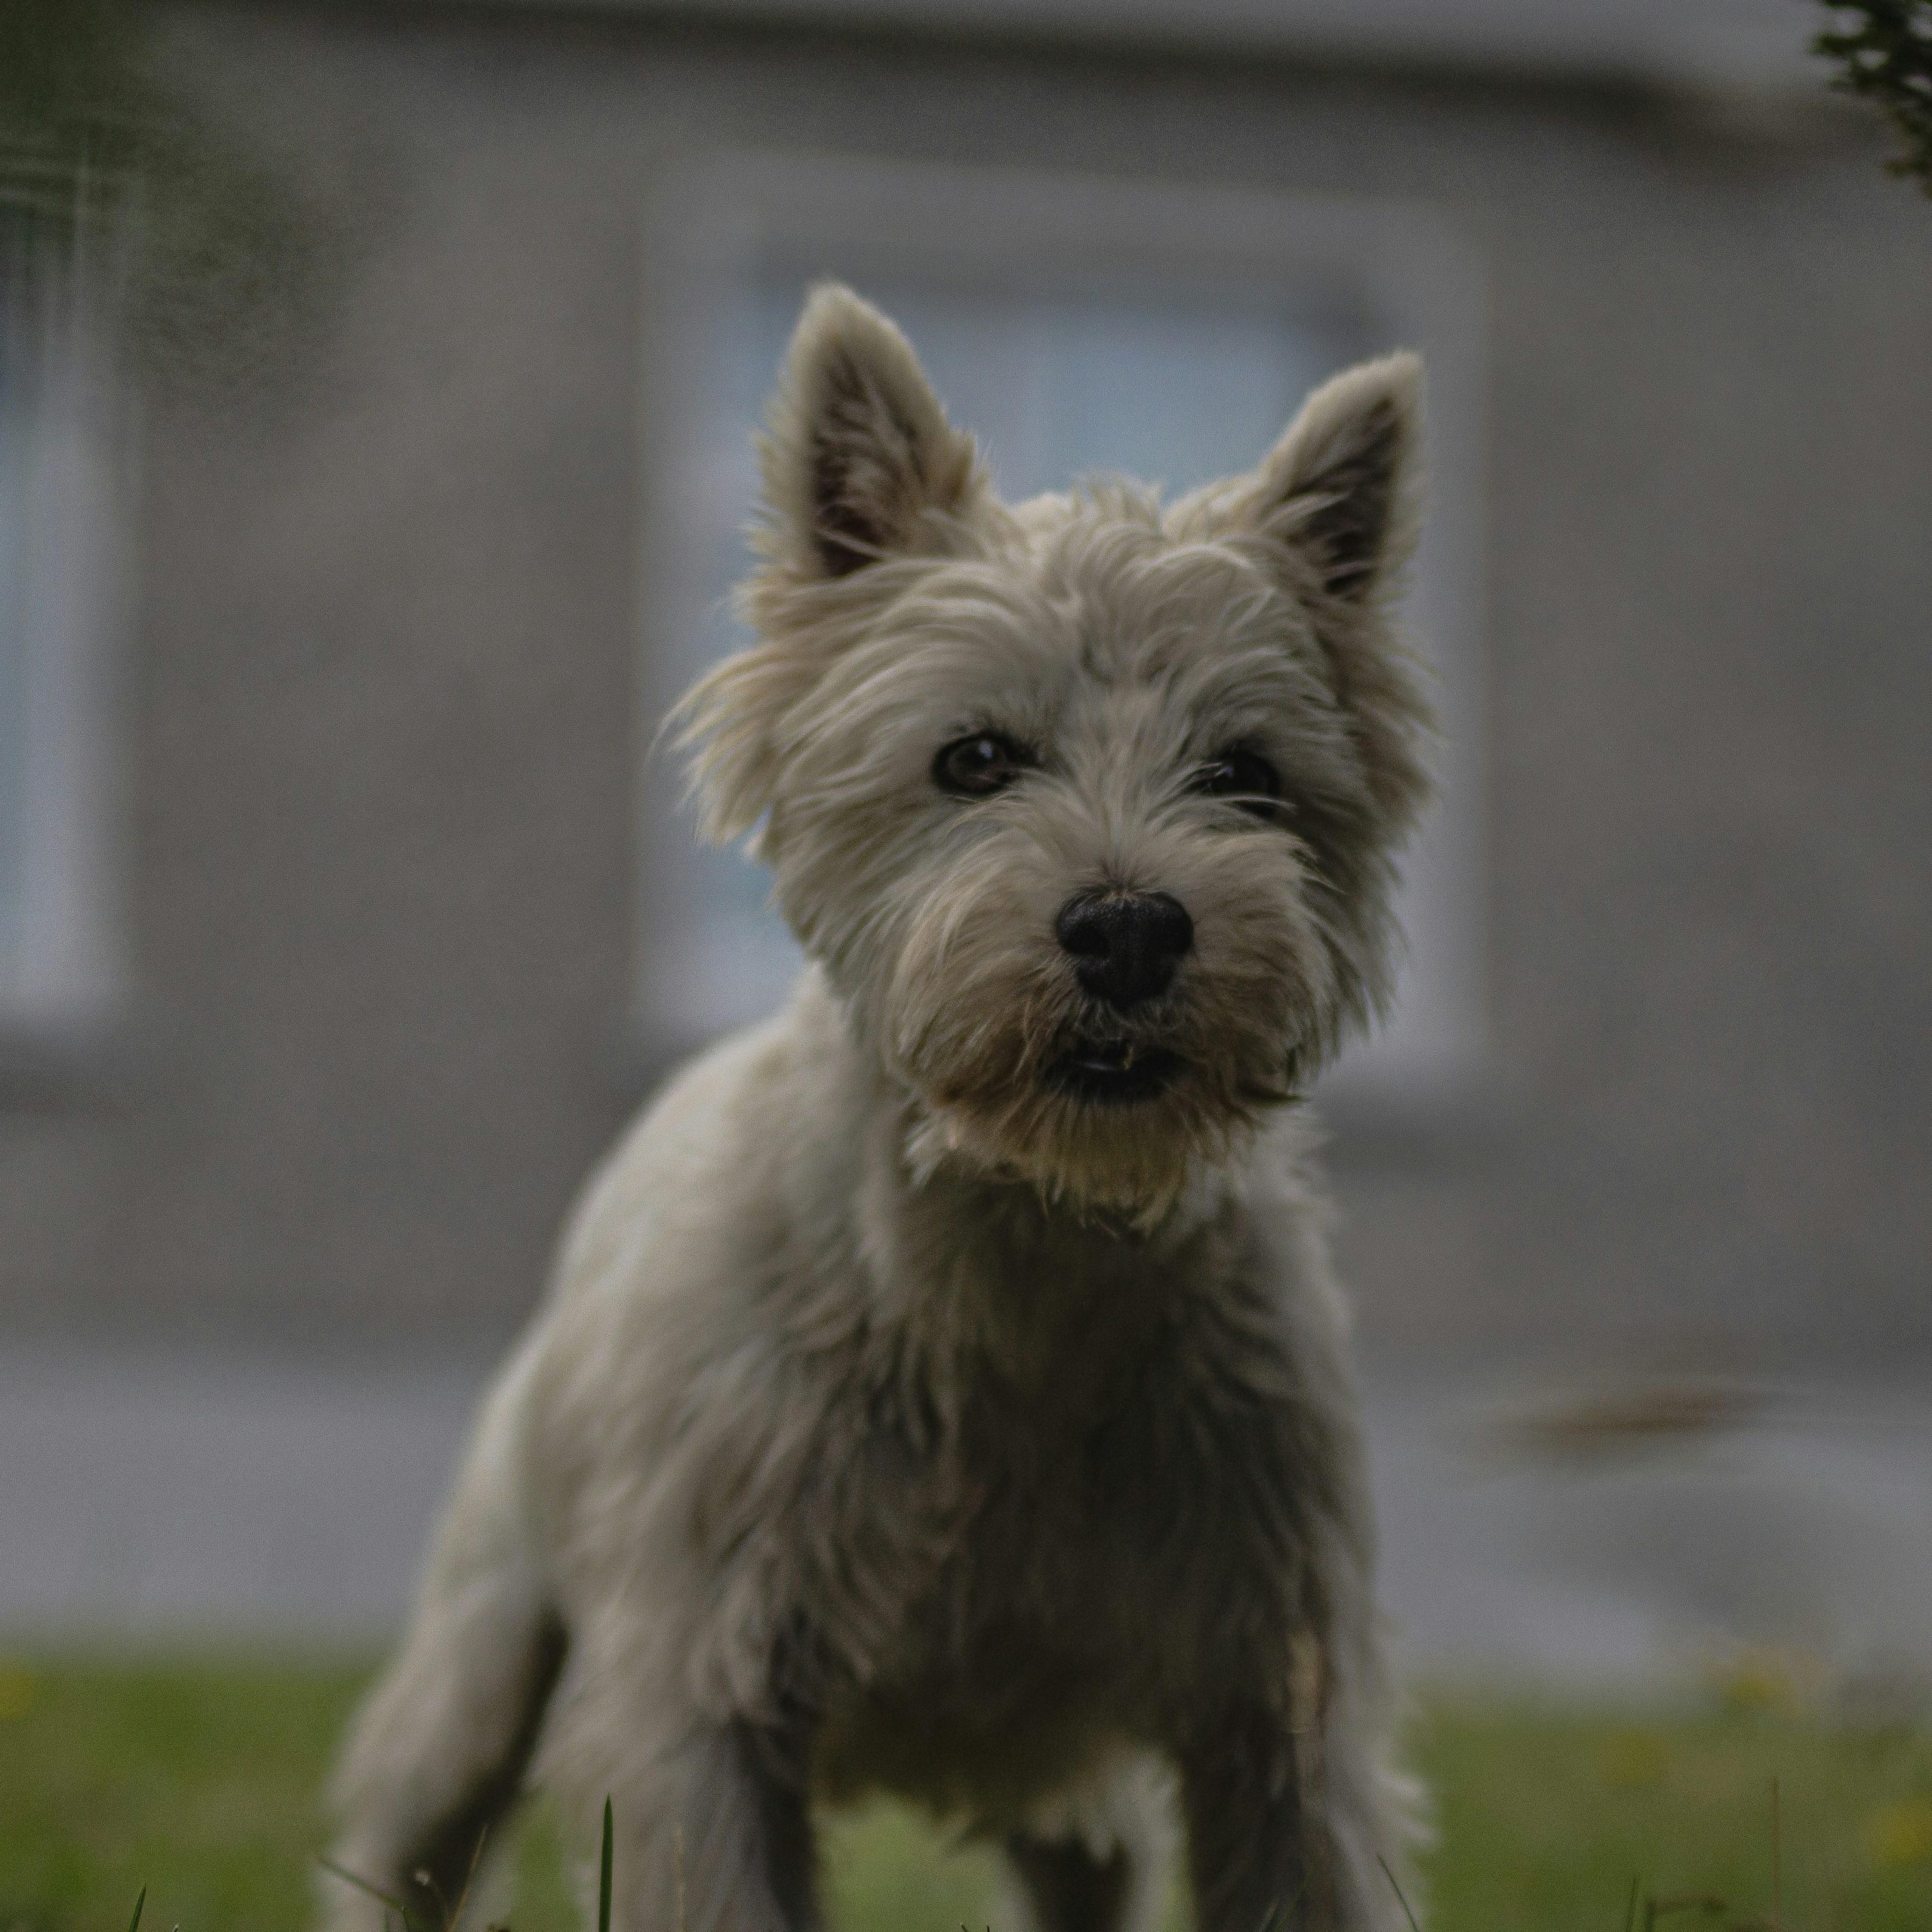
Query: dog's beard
[[1016, 1072], [1135, 1161]]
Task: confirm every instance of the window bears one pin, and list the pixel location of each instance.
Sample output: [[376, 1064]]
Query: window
[[1072, 325], [57, 959]]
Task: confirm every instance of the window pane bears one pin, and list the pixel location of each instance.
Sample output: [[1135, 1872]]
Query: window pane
[[17, 377], [57, 407]]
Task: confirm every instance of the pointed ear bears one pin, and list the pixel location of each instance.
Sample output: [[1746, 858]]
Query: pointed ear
[[1338, 488], [857, 450]]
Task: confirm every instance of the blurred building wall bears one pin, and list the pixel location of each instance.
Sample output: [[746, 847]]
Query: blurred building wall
[[382, 729]]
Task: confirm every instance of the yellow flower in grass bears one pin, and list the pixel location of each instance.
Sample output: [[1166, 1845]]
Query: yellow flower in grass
[[1765, 1682], [1901, 1834], [17, 1692], [1631, 1760]]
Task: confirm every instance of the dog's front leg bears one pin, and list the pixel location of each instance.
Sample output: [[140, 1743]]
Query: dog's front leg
[[711, 1826], [1258, 1851], [771, 1770]]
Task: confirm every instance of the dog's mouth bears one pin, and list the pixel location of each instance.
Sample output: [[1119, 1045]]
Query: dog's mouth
[[1114, 1073]]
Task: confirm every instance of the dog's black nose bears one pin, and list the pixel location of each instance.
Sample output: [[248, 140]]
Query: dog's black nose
[[1125, 945]]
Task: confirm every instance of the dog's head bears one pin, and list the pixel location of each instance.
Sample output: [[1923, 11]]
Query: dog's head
[[1087, 806]]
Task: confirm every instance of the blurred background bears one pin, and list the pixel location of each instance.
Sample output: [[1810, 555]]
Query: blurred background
[[376, 389]]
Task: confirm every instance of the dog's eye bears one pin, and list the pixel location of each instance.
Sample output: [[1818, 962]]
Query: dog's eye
[[978, 766], [1243, 778]]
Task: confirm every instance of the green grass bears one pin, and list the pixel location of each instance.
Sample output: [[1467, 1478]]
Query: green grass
[[198, 1781]]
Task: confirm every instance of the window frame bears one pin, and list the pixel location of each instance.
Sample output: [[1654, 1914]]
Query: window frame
[[717, 221]]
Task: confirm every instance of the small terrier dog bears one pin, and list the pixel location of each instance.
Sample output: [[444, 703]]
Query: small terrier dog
[[943, 1388]]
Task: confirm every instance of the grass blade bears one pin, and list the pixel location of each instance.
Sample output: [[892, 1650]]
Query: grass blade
[[349, 1878], [1396, 1883], [134, 1923], [603, 1875], [1777, 1862], [468, 1879]]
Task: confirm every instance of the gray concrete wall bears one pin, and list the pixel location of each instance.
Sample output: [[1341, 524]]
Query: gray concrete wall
[[383, 733]]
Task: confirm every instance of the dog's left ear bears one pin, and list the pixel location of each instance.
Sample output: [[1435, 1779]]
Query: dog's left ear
[[857, 454], [1338, 489], [1333, 506]]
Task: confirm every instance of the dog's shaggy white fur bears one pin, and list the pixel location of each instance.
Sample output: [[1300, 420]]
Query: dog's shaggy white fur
[[943, 1388]]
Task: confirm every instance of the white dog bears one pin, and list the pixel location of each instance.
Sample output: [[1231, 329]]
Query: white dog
[[943, 1388]]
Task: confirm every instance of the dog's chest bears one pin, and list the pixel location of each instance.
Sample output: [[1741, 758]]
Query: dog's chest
[[1091, 1526], [1010, 1645]]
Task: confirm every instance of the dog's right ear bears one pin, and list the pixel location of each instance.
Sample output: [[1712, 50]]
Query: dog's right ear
[[857, 453], [860, 466]]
